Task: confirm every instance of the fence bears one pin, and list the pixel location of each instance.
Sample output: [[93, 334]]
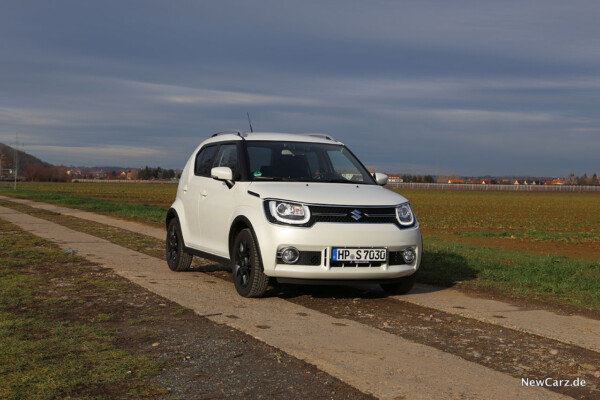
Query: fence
[[495, 188]]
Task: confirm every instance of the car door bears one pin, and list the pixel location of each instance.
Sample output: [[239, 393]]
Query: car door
[[218, 203], [194, 192]]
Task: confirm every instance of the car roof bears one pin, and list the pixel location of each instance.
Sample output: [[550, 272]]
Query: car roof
[[275, 136]]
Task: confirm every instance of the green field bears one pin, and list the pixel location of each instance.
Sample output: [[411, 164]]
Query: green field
[[542, 245]]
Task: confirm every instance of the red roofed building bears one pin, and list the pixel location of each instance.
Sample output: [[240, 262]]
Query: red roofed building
[[394, 178]]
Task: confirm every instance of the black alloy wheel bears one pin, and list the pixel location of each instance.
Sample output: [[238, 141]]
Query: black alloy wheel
[[242, 273], [177, 258], [248, 276]]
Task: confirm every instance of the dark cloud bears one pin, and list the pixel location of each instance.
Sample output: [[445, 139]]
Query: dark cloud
[[466, 87]]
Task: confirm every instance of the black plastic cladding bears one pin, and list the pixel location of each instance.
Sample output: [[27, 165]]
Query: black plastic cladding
[[314, 258], [305, 258], [343, 214]]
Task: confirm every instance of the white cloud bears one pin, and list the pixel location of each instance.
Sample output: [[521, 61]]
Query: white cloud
[[30, 117], [209, 97], [445, 88], [466, 116], [473, 115]]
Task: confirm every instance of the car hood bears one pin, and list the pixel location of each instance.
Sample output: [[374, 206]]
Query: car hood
[[327, 193]]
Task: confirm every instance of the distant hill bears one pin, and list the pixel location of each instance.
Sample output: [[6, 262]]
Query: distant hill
[[7, 154], [30, 168]]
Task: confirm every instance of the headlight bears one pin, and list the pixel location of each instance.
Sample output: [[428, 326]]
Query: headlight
[[289, 213], [405, 215]]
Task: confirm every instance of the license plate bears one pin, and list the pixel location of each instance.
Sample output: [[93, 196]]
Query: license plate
[[358, 255]]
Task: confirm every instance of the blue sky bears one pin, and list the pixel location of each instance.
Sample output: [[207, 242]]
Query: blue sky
[[465, 87]]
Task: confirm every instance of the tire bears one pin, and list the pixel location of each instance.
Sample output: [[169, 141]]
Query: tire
[[248, 276], [401, 286], [177, 258]]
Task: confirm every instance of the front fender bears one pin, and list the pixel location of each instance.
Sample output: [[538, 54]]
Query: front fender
[[178, 208]]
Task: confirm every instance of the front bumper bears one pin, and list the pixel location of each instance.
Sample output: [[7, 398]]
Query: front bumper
[[322, 237]]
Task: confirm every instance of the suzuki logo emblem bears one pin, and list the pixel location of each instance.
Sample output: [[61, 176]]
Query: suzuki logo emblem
[[356, 215]]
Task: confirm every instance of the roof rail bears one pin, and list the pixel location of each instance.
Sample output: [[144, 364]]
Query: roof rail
[[321, 135], [236, 131]]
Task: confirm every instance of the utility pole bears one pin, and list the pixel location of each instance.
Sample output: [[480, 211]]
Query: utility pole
[[16, 160]]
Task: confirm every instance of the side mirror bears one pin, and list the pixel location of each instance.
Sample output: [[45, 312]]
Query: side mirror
[[380, 178], [223, 174]]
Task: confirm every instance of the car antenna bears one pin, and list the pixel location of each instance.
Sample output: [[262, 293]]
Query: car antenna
[[250, 123]]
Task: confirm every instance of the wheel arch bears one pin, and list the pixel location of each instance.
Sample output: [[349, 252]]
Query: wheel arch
[[240, 223], [172, 213]]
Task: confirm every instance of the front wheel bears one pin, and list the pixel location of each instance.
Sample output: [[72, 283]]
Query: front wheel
[[177, 258], [401, 286], [248, 276]]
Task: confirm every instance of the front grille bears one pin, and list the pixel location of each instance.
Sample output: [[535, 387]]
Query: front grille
[[354, 215], [306, 258]]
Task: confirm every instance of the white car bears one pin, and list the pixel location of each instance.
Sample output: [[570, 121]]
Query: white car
[[295, 208]]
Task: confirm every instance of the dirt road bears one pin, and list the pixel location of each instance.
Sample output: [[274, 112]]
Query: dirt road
[[341, 337]]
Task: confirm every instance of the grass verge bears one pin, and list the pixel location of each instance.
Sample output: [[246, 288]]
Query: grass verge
[[552, 278], [152, 214], [536, 236], [50, 345]]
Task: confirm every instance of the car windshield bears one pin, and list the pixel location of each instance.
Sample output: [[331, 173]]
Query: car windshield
[[304, 162]]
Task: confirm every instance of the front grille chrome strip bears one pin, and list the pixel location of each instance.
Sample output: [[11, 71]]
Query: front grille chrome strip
[[330, 214]]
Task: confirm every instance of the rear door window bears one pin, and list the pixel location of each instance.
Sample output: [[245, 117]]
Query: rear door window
[[205, 160]]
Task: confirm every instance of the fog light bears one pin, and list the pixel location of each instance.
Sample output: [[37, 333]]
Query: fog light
[[290, 255], [409, 255]]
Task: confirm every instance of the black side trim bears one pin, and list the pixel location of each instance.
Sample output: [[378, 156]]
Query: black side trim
[[337, 282], [208, 256], [250, 192]]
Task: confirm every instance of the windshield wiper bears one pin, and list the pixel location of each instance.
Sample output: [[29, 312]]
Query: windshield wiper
[[270, 178], [338, 181]]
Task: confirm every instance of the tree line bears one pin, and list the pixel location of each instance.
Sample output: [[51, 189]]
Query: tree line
[[418, 178], [42, 173], [155, 173]]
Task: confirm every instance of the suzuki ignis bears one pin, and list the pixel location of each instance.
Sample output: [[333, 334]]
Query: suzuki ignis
[[292, 208]]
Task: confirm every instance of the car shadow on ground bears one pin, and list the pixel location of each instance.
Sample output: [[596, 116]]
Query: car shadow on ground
[[444, 268], [362, 291], [209, 267]]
